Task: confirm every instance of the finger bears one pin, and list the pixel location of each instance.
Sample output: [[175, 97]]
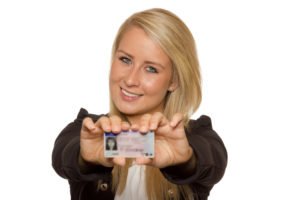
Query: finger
[[144, 123], [143, 161], [88, 124], [177, 120], [104, 123], [134, 127], [125, 126], [119, 161], [155, 120], [115, 122], [108, 162], [88, 129]]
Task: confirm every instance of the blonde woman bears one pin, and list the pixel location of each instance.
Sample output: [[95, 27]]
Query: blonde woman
[[155, 84]]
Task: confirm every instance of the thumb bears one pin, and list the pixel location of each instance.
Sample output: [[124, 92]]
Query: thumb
[[177, 120], [88, 124], [89, 129]]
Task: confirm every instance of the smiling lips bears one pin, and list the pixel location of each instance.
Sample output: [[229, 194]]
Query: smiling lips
[[129, 96]]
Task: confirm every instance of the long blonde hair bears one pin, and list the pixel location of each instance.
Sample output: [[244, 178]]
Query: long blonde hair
[[174, 37]]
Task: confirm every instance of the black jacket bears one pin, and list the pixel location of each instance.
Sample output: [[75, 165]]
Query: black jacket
[[208, 148]]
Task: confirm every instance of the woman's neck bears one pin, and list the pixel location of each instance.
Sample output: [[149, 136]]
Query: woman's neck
[[133, 119]]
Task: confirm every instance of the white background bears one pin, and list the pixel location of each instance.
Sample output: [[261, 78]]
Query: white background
[[55, 57]]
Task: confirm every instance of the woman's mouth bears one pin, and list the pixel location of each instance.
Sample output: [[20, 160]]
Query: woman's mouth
[[129, 96]]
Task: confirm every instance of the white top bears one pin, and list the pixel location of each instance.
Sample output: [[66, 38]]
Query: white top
[[135, 188]]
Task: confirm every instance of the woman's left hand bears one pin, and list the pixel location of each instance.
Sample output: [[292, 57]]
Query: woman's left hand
[[171, 144]]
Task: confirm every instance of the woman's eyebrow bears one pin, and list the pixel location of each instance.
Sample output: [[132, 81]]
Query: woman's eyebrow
[[146, 62], [122, 51]]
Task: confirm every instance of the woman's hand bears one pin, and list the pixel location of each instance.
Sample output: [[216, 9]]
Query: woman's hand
[[171, 144], [91, 139]]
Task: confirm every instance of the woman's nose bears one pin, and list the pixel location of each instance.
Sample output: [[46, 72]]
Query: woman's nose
[[132, 77]]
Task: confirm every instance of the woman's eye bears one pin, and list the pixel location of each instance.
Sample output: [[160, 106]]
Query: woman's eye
[[125, 60], [151, 69]]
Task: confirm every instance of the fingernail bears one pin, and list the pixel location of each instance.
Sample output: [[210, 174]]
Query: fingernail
[[116, 130], [173, 124], [152, 126], [107, 128]]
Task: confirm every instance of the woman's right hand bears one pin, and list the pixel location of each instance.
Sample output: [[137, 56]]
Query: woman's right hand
[[91, 139]]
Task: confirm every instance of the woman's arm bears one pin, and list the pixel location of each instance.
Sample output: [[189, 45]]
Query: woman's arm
[[66, 158], [210, 157]]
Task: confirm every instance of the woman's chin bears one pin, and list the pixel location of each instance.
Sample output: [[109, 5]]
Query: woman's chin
[[128, 110]]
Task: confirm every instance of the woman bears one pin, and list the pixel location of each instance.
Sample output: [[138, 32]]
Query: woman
[[154, 85]]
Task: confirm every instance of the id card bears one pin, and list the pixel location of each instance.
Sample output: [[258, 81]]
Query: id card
[[129, 144]]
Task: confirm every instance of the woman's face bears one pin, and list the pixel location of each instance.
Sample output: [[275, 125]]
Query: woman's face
[[141, 75], [111, 143]]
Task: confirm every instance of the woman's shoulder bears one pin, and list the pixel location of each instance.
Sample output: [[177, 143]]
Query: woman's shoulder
[[203, 121], [83, 113]]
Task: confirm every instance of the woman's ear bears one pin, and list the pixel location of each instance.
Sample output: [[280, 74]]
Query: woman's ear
[[173, 85]]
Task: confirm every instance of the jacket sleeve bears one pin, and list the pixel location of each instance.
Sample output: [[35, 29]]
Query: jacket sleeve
[[210, 153], [66, 151]]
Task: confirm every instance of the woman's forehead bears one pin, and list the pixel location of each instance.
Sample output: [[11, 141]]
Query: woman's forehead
[[136, 43]]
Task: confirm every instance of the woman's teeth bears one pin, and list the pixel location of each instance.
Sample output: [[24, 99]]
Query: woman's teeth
[[129, 94]]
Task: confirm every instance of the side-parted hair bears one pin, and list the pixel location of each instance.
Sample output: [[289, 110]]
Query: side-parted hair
[[176, 40]]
